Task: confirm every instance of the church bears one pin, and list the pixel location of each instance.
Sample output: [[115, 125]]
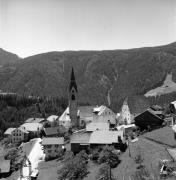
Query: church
[[78, 116]]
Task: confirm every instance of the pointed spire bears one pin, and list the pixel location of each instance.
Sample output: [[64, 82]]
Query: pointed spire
[[72, 75], [73, 81]]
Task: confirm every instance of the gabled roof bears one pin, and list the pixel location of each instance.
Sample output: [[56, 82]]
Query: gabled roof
[[97, 126], [9, 131], [53, 140], [23, 129], [122, 127], [65, 116], [4, 166], [105, 137], [51, 131], [85, 111], [54, 130], [34, 120], [154, 112], [99, 109], [174, 103], [137, 104], [52, 118], [80, 137], [33, 127]]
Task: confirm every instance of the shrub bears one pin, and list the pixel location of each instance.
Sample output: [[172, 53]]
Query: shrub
[[104, 173], [95, 154], [75, 167], [108, 156]]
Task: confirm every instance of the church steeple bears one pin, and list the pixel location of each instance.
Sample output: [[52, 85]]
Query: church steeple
[[73, 100], [73, 81]]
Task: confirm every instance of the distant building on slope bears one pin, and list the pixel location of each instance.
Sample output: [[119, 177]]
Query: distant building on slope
[[103, 114], [8, 134], [133, 106], [19, 135], [33, 129]]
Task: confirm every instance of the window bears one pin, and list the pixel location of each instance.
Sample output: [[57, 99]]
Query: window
[[48, 146], [49, 151], [56, 145], [73, 97]]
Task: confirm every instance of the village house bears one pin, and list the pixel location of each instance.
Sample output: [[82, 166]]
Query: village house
[[35, 120], [101, 138], [8, 134], [172, 107], [19, 135], [104, 115], [132, 107], [148, 119], [52, 146], [4, 168], [54, 131], [126, 128], [84, 140], [53, 120], [34, 129]]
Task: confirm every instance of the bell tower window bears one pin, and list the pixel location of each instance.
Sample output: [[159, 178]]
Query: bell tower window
[[73, 97]]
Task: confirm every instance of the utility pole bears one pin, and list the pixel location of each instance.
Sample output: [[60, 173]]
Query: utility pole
[[129, 147], [110, 172]]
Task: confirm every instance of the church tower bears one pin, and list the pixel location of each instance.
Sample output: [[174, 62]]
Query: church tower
[[73, 101]]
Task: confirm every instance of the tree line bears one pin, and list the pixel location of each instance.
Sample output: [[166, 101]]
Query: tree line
[[15, 109]]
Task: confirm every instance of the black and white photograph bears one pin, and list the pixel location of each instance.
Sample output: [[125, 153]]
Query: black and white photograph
[[87, 89]]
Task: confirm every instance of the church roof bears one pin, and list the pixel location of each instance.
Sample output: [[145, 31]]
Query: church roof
[[73, 82], [84, 112]]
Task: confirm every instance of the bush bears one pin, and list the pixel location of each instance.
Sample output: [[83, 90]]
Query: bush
[[75, 167], [108, 156], [95, 154], [104, 173]]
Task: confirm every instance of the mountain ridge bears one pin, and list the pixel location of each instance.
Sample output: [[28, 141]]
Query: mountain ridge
[[100, 75]]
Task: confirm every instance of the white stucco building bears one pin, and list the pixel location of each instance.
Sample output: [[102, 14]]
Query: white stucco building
[[103, 114]]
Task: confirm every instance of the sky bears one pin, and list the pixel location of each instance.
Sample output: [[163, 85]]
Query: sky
[[29, 27]]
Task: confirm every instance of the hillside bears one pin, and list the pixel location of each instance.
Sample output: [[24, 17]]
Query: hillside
[[100, 75], [8, 64]]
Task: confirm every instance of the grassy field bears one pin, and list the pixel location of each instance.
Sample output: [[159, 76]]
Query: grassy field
[[164, 136], [151, 151]]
